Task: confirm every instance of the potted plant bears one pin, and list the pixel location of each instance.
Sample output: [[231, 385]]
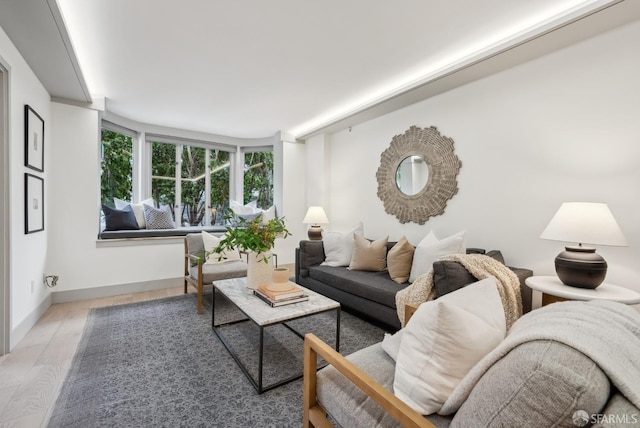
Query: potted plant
[[256, 238]]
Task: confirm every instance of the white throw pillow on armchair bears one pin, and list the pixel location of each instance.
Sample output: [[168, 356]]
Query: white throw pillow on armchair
[[428, 251], [210, 243], [338, 247]]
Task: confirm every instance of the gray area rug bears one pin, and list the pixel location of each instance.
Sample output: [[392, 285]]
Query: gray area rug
[[159, 364]]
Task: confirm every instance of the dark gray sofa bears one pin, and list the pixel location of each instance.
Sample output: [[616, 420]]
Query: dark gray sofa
[[372, 294]]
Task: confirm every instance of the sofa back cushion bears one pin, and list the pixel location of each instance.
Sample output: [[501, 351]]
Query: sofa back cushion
[[310, 253]]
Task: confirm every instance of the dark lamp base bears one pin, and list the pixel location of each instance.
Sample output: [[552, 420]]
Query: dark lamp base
[[581, 267], [315, 233]]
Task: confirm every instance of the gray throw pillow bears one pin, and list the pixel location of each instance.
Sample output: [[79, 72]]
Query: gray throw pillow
[[542, 383], [449, 276], [496, 254], [158, 218], [123, 219]]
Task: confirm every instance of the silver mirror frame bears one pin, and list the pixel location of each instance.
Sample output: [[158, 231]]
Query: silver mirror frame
[[444, 166]]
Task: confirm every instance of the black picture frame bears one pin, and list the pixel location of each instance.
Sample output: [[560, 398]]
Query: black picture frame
[[33, 139], [33, 203]]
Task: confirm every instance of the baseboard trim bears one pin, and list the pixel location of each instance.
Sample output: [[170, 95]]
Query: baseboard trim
[[21, 330], [115, 290]]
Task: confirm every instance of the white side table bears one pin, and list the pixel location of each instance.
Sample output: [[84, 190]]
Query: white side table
[[553, 290]]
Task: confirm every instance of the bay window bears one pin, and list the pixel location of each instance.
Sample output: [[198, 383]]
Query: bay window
[[194, 178]]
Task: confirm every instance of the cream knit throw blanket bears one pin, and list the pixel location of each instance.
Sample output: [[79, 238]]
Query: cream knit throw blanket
[[481, 267]]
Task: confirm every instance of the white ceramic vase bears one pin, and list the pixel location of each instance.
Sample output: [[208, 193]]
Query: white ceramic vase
[[259, 271]]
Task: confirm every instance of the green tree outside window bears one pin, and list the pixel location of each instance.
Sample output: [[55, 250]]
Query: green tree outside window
[[258, 178], [116, 176]]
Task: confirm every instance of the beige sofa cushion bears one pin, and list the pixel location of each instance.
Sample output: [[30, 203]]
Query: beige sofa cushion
[[369, 255], [399, 260]]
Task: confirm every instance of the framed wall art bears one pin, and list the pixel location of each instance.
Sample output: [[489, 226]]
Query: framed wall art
[[33, 139], [33, 203]]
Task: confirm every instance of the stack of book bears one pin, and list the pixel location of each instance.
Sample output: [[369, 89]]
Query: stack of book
[[280, 298]]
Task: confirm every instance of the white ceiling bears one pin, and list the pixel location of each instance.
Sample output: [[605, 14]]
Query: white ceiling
[[251, 68]]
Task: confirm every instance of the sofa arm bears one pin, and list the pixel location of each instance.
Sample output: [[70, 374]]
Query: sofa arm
[[309, 253], [315, 416]]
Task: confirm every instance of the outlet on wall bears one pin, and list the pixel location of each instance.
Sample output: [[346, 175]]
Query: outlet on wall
[[33, 285]]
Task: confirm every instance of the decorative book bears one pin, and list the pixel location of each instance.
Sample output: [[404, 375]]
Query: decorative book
[[294, 291], [281, 302]]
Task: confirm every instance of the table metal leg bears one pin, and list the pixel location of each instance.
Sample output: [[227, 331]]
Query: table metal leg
[[260, 359], [258, 383], [213, 306]]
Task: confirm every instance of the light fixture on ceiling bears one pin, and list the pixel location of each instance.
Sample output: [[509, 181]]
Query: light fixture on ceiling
[[583, 223], [315, 217]]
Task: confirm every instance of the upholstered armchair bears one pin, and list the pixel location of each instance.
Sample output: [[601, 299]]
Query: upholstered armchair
[[197, 272]]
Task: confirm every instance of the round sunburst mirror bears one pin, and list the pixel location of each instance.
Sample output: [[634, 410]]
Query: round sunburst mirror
[[418, 175]]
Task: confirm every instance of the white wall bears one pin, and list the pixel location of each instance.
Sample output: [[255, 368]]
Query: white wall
[[294, 208], [563, 127], [27, 251], [73, 251]]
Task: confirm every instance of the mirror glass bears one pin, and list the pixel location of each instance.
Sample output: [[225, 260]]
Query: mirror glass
[[412, 175]]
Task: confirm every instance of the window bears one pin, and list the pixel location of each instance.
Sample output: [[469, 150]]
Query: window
[[258, 178], [196, 179], [116, 167], [163, 173], [219, 196], [181, 178]]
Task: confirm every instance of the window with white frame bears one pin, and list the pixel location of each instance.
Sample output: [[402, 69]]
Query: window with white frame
[[194, 178], [116, 164], [258, 176]]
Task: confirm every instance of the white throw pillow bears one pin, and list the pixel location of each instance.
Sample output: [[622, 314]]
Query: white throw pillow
[[443, 340], [391, 343], [210, 242], [240, 209], [268, 214], [338, 247], [138, 209], [429, 251], [430, 238]]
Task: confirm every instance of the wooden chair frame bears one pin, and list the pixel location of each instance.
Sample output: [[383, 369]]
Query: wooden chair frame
[[199, 286], [314, 414]]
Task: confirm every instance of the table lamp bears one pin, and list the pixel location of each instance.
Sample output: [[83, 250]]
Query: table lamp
[[583, 223], [315, 217]]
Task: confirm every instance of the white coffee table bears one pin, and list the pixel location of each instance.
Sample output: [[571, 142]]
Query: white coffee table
[[263, 315], [553, 290]]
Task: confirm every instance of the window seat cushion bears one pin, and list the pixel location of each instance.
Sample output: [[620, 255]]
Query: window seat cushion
[[158, 233]]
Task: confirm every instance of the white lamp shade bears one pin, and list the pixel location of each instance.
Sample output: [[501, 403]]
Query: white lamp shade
[[585, 223], [315, 215]]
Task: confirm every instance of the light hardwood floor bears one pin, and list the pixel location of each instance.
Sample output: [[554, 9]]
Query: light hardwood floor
[[32, 373]]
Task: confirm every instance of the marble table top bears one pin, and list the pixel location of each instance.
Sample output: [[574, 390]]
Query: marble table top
[[261, 313]]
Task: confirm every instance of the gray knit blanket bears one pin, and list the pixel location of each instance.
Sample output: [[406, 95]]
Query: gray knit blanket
[[607, 332]]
